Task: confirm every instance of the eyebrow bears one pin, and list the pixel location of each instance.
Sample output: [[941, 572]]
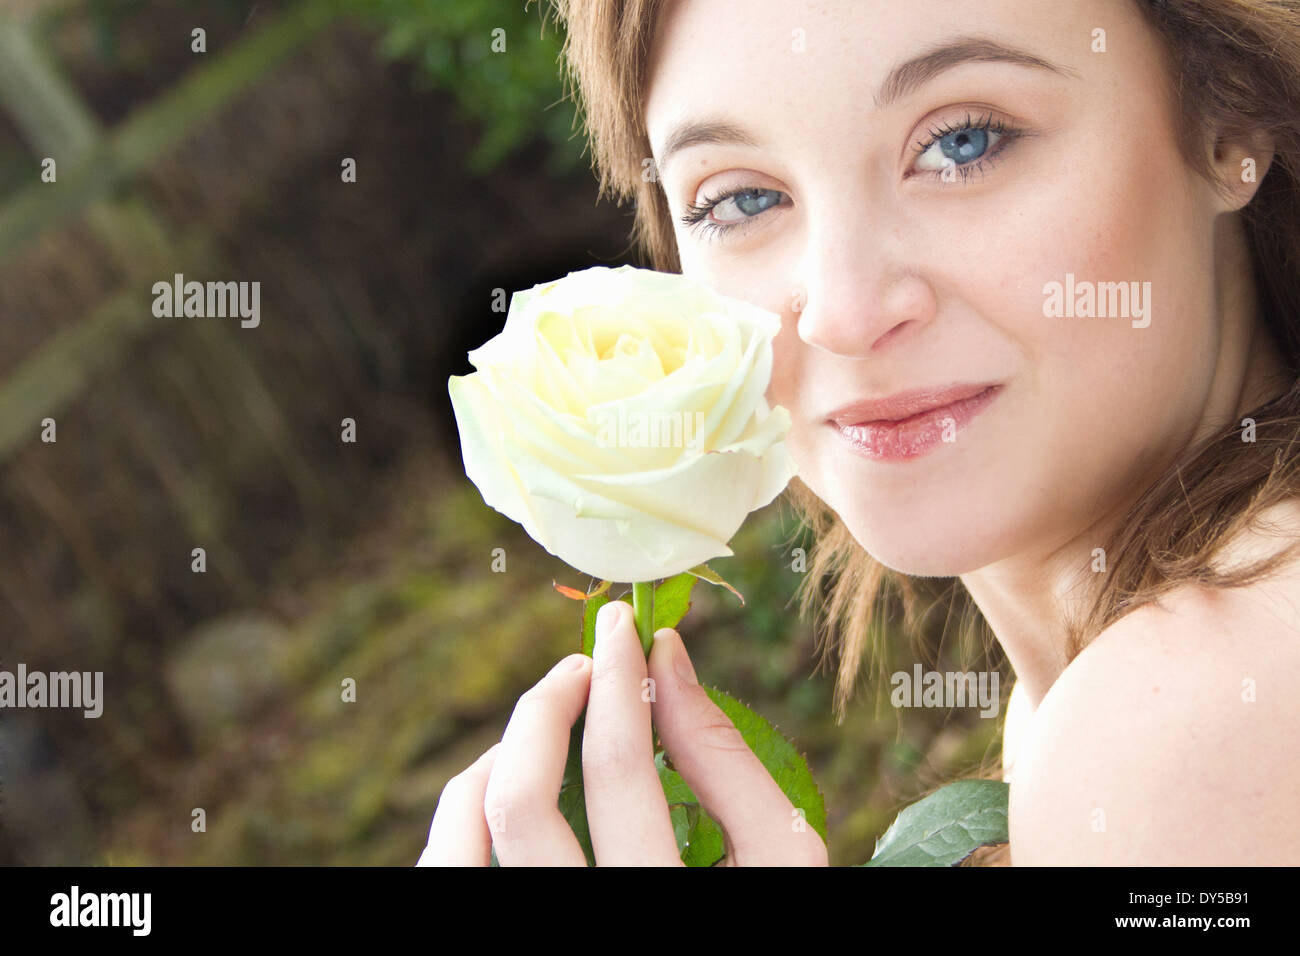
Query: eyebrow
[[903, 80]]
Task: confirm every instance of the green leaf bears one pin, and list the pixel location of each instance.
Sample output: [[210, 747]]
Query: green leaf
[[947, 826], [706, 573], [681, 818], [513, 95], [706, 846], [703, 844], [699, 841], [673, 600], [573, 801]]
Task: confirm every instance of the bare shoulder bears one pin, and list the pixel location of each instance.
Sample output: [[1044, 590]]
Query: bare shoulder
[[1174, 737]]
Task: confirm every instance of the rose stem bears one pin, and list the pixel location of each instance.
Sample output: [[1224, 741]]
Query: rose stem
[[643, 609], [643, 612]]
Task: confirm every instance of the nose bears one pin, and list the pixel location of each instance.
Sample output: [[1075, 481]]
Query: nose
[[860, 289]]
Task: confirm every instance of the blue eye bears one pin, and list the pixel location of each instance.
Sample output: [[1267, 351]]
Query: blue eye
[[963, 149], [730, 209], [965, 146]]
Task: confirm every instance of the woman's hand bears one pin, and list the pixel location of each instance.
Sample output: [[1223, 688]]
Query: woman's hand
[[509, 796]]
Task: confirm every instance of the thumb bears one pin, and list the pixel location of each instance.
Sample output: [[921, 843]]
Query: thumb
[[732, 784], [694, 730]]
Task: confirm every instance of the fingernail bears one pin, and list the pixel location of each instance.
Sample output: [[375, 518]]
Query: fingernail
[[607, 618], [682, 663]]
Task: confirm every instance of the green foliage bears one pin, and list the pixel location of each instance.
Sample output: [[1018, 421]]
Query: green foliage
[[672, 599], [514, 92], [947, 826], [589, 609], [699, 839]]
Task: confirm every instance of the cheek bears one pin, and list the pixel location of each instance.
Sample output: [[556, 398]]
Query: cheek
[[1101, 219], [1102, 402]]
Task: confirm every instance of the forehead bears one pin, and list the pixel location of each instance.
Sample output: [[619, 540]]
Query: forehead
[[797, 59]]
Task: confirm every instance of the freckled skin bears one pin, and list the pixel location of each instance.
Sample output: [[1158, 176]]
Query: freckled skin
[[889, 279], [910, 281]]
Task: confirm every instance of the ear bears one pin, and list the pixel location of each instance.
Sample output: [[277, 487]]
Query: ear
[[1240, 164]]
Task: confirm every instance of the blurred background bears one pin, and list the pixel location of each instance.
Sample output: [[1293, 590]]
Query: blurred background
[[325, 559]]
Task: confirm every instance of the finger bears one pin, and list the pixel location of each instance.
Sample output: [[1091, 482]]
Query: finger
[[626, 811], [458, 835], [761, 825], [521, 801]]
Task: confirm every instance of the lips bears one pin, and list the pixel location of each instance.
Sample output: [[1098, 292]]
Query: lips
[[904, 405], [921, 421]]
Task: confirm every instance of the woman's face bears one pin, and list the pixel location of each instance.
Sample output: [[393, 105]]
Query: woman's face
[[901, 260]]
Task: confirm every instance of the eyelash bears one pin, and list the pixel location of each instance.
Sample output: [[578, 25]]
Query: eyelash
[[696, 217]]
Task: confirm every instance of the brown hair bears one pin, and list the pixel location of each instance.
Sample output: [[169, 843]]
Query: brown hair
[[1235, 65]]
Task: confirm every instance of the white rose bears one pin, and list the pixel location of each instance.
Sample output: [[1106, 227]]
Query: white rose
[[620, 418]]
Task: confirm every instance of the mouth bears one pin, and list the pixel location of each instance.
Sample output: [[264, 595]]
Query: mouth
[[909, 425]]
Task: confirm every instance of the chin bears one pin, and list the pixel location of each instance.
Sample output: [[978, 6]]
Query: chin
[[929, 518], [937, 546], [914, 559]]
